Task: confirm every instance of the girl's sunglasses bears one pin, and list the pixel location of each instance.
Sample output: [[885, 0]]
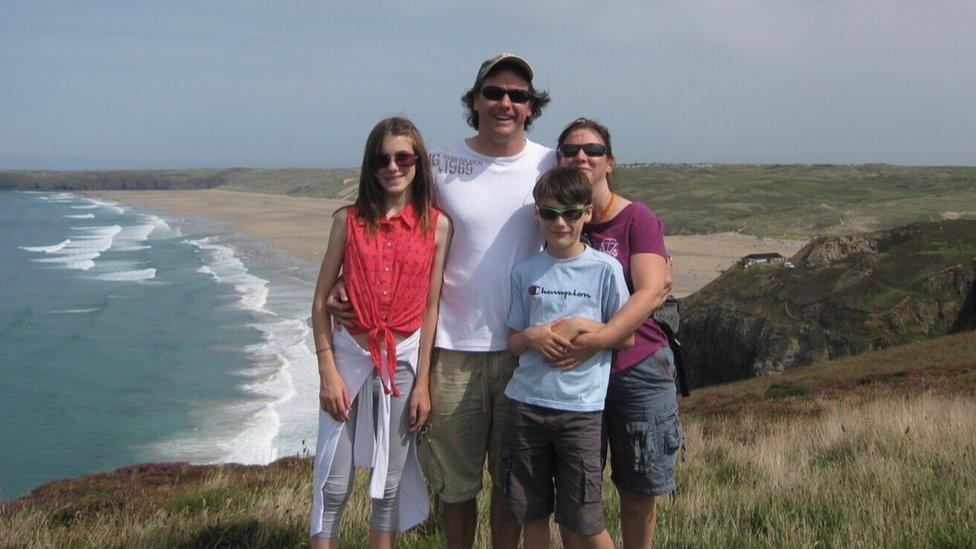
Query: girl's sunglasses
[[590, 149], [402, 160], [494, 93], [569, 214]]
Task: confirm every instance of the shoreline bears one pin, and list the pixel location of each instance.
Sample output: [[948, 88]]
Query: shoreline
[[207, 324], [275, 287], [297, 225], [300, 227]]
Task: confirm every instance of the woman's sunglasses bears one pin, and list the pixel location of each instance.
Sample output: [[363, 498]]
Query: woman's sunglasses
[[402, 160], [569, 214], [590, 149], [494, 93]]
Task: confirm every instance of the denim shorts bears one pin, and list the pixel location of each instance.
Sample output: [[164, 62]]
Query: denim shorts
[[642, 427]]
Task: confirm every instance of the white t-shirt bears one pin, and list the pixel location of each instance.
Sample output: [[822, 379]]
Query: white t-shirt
[[489, 199]]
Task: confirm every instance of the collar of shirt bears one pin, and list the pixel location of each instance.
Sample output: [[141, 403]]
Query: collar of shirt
[[407, 217]]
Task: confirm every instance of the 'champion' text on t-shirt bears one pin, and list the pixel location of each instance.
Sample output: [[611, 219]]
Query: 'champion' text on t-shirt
[[539, 290]]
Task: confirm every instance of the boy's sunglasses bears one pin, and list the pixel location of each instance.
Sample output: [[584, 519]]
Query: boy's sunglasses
[[402, 160], [494, 93], [590, 149], [569, 214]]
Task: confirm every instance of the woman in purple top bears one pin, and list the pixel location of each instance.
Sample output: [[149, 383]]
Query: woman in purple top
[[641, 413]]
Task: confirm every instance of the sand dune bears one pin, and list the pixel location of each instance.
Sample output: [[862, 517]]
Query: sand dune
[[300, 226]]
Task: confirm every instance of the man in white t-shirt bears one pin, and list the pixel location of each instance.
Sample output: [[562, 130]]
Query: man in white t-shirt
[[484, 183]]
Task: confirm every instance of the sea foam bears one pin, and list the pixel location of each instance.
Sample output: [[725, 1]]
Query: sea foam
[[47, 249], [87, 243], [129, 276], [225, 267], [96, 203], [80, 250], [74, 311], [248, 431]]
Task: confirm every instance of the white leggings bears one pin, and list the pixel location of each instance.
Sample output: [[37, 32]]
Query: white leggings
[[339, 482]]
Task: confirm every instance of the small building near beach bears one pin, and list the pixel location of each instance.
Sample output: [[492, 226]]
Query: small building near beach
[[771, 258]]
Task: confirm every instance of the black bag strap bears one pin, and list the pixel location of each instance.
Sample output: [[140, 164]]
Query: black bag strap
[[679, 360], [668, 317]]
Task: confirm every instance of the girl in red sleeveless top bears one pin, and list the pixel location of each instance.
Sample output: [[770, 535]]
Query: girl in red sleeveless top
[[373, 395]]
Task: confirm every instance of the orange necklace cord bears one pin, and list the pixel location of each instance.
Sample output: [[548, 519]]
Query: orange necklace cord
[[606, 209]]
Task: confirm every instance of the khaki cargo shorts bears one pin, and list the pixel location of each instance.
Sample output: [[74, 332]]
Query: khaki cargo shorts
[[469, 411]]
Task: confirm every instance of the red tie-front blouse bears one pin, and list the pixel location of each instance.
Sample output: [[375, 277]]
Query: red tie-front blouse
[[387, 277]]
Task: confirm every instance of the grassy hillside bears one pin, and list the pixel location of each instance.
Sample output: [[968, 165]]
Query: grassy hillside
[[294, 182], [795, 201], [798, 201], [873, 450], [326, 183]]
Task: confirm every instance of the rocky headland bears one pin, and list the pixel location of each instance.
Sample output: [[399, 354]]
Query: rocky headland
[[837, 296]]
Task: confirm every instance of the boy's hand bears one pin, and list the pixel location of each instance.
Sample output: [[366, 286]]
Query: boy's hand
[[548, 342]]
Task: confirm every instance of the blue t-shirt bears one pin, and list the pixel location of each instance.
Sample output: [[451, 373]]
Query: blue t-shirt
[[545, 288]]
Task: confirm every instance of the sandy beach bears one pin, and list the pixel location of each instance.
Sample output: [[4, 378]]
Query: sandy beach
[[300, 226]]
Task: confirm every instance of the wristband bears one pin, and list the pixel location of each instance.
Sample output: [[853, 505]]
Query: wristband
[[322, 350]]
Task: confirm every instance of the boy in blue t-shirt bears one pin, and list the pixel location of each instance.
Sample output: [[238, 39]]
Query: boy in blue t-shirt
[[551, 451]]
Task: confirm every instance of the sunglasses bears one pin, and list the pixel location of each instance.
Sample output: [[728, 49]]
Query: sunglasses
[[494, 93], [569, 214], [590, 149], [402, 160]]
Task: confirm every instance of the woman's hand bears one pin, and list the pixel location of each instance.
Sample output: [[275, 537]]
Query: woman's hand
[[582, 334], [338, 306], [583, 347], [573, 326], [419, 407], [334, 397]]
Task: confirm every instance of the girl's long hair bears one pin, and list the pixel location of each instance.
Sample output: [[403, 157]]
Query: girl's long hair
[[370, 202]]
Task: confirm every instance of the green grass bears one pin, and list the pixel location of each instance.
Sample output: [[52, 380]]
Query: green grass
[[785, 389], [872, 450], [797, 201]]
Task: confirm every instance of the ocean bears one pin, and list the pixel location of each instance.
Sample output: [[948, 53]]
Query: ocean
[[130, 337]]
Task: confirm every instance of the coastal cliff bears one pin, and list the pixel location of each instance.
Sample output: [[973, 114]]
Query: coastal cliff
[[837, 296], [326, 183]]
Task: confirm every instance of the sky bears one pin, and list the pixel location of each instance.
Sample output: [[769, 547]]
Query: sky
[[137, 84]]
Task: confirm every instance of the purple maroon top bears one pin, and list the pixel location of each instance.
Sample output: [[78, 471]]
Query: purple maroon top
[[634, 230]]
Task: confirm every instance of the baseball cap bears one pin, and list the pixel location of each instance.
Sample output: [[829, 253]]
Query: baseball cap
[[506, 58]]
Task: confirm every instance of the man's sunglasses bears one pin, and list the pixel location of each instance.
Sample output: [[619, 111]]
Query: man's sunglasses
[[569, 214], [494, 93], [590, 149], [402, 160]]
